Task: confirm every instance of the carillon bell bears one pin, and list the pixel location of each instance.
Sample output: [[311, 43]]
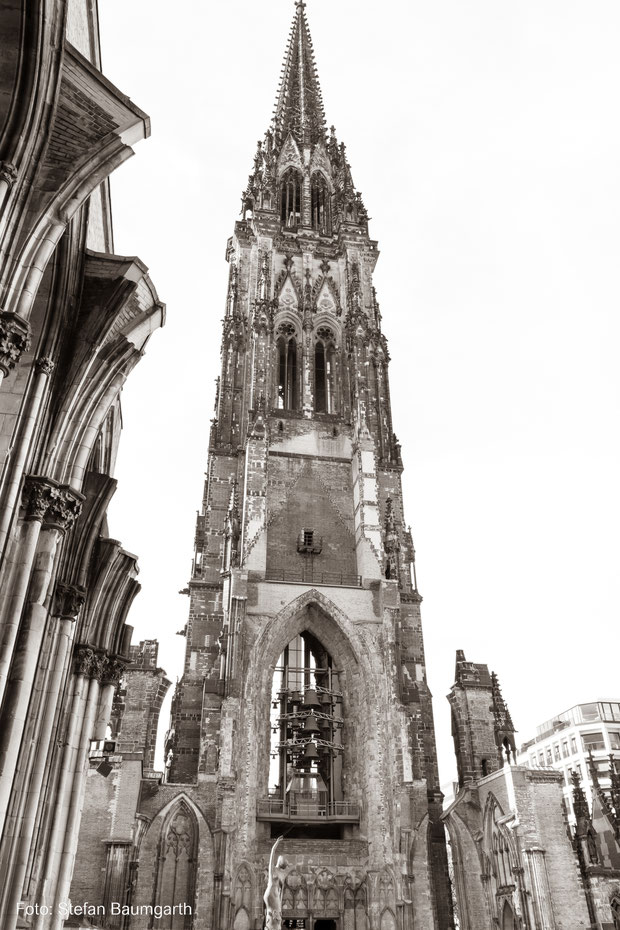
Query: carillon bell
[[311, 724], [310, 755], [311, 698]]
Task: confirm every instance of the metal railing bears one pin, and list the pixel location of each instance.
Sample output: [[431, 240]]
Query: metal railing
[[308, 576], [301, 809]]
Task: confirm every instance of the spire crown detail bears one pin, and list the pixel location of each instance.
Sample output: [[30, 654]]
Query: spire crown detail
[[299, 105], [299, 125]]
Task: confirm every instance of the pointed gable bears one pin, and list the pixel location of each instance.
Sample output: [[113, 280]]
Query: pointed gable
[[289, 155]]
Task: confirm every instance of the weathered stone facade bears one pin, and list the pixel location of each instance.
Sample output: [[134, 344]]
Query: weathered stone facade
[[74, 321], [301, 549], [516, 864]]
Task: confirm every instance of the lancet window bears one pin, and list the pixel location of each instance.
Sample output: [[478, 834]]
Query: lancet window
[[177, 865], [290, 198], [305, 776], [287, 368], [319, 203], [325, 376]]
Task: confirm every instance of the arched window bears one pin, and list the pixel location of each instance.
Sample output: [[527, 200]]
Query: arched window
[[177, 866], [287, 374], [319, 203], [325, 376], [306, 744], [290, 198]]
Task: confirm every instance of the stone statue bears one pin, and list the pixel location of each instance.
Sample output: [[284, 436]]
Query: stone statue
[[273, 894]]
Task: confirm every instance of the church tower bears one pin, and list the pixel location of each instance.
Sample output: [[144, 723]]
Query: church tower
[[303, 710]]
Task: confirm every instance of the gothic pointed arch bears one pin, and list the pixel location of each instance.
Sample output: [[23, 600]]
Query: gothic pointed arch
[[176, 864], [156, 849], [330, 621], [243, 886], [326, 374], [287, 374], [291, 197], [508, 918], [295, 893], [320, 203]]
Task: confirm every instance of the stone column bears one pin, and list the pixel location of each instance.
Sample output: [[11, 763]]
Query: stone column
[[57, 507], [24, 829], [43, 368], [75, 798], [86, 663]]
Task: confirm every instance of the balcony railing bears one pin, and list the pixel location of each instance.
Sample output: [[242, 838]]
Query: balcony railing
[[307, 811], [308, 576]]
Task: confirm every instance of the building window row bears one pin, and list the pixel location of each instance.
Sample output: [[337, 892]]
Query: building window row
[[288, 370], [591, 741]]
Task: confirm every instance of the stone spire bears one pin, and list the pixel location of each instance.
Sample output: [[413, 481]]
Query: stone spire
[[299, 104]]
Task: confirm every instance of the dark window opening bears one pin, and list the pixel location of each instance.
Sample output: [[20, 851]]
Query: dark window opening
[[290, 198], [287, 397], [325, 374], [485, 768], [308, 541], [320, 204]]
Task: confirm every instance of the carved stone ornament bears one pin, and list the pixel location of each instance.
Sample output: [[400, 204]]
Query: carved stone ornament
[[113, 670], [44, 366], [85, 660], [8, 173], [56, 505], [91, 663], [68, 601], [14, 340]]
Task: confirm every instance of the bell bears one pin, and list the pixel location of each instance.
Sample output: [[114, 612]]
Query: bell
[[311, 698], [324, 723], [311, 723], [296, 697], [325, 698], [310, 755]]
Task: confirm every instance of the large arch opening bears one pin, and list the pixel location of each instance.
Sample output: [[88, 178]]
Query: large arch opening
[[312, 792], [305, 774]]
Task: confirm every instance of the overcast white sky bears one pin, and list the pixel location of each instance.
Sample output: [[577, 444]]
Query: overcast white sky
[[486, 141]]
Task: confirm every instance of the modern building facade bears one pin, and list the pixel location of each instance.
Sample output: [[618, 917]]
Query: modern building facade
[[303, 709], [566, 742], [74, 321]]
